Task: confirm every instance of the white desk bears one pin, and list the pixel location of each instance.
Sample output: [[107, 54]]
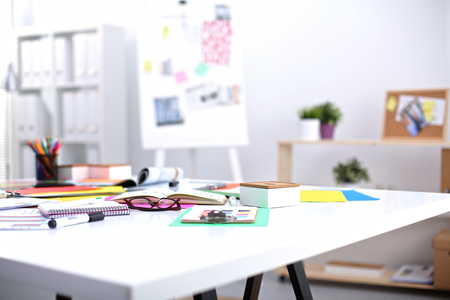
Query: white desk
[[140, 257]]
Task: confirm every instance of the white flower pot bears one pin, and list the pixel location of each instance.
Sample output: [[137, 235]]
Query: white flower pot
[[310, 129]]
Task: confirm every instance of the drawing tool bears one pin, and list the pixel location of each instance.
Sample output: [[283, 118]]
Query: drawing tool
[[45, 151], [232, 200], [44, 146], [77, 219], [39, 147]]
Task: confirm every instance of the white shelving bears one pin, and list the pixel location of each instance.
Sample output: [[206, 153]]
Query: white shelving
[[75, 76]]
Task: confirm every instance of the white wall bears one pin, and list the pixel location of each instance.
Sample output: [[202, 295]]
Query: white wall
[[349, 52], [298, 53]]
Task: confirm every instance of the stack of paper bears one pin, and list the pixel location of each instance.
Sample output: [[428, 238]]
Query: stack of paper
[[414, 274], [355, 269]]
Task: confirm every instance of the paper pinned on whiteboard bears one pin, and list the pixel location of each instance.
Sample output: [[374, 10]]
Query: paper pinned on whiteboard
[[193, 95]]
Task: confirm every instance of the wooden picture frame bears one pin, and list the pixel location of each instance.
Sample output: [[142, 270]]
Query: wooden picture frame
[[393, 129]]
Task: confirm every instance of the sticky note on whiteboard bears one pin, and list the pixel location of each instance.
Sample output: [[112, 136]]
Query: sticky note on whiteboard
[[180, 77], [148, 66], [201, 69], [165, 32]]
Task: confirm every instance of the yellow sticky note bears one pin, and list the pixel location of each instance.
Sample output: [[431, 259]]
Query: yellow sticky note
[[391, 104], [148, 66], [165, 32], [322, 196], [427, 108]]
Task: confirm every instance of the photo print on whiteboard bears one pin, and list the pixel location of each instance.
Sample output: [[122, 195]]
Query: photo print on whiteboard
[[233, 92], [166, 67], [413, 118], [216, 42], [222, 12], [167, 111], [210, 94]]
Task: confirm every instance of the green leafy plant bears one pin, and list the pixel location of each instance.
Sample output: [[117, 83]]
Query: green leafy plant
[[313, 112], [330, 114], [350, 172]]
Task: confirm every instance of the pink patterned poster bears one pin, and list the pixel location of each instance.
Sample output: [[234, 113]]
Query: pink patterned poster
[[216, 42]]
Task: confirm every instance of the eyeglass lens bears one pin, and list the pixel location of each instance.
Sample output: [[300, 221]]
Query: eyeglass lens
[[147, 203]]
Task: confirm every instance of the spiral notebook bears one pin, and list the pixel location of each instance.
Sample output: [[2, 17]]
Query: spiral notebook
[[76, 207]]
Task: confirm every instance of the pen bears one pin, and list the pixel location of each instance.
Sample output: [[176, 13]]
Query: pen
[[213, 186], [77, 219], [178, 182], [5, 194]]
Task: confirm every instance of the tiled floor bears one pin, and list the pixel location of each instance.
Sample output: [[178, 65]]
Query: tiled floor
[[271, 289]]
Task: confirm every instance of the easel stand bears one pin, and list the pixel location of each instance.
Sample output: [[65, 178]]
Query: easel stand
[[160, 157]]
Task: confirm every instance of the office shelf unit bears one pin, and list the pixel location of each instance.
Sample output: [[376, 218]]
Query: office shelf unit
[[316, 272], [285, 159], [72, 86]]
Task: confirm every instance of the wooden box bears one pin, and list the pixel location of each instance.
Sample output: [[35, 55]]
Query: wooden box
[[270, 194], [441, 244]]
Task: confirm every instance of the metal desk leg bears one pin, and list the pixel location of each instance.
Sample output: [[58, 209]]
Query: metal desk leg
[[252, 287], [299, 281], [209, 295], [62, 297]]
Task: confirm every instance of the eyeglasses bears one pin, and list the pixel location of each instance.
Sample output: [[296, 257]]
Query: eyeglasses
[[146, 204]]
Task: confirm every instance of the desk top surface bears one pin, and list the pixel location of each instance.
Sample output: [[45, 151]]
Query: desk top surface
[[140, 257]]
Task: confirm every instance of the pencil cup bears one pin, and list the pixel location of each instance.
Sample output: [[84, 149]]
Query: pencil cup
[[46, 167]]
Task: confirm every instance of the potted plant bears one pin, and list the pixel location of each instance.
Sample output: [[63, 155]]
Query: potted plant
[[351, 172], [330, 116], [310, 123]]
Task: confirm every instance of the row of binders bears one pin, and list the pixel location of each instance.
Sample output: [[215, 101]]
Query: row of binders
[[80, 115], [76, 59], [32, 117]]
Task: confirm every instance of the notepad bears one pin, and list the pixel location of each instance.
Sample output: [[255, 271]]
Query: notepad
[[86, 206], [22, 219]]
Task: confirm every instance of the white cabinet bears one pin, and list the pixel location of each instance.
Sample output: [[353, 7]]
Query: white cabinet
[[72, 86]]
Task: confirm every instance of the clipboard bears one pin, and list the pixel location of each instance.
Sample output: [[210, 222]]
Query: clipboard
[[393, 128], [231, 214]]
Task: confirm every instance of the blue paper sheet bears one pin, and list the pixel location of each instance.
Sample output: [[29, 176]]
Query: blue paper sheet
[[353, 195]]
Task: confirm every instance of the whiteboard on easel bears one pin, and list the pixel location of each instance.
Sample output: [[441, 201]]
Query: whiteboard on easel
[[190, 75]]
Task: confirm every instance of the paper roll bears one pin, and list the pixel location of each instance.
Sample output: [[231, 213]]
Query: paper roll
[[152, 175]]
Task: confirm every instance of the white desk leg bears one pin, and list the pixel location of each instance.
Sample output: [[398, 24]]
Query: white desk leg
[[193, 163], [160, 157], [235, 164], [299, 281], [284, 162]]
